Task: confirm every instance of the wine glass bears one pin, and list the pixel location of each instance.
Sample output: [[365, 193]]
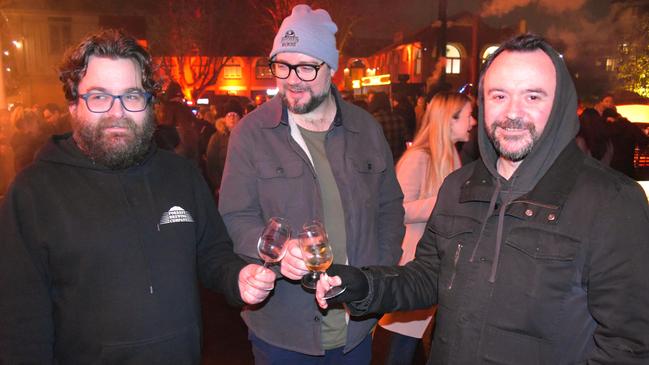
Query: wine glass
[[272, 242], [317, 255]]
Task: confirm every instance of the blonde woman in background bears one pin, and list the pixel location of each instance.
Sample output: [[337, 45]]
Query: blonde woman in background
[[421, 170]]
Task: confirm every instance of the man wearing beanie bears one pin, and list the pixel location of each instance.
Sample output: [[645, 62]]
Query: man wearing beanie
[[308, 155]]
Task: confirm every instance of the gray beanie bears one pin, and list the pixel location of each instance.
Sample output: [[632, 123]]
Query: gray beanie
[[308, 31]]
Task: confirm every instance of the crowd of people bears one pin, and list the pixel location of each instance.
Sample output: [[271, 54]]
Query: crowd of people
[[504, 254]]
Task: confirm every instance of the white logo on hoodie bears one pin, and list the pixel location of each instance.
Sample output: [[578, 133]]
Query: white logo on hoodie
[[176, 215]]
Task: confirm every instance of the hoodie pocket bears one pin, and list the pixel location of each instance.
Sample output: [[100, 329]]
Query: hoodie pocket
[[177, 348]]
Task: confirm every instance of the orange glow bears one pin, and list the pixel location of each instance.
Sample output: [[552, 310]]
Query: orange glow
[[636, 113], [376, 80]]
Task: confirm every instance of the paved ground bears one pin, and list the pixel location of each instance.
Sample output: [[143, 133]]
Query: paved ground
[[226, 337]]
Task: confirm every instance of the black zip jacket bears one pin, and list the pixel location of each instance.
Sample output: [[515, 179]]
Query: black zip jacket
[[100, 266], [548, 267]]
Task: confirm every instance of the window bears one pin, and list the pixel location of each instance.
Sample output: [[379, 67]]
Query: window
[[418, 61], [610, 64], [232, 72], [262, 71], [60, 34], [453, 60], [488, 52]]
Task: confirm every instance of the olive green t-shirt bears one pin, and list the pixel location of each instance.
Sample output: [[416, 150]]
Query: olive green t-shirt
[[334, 324]]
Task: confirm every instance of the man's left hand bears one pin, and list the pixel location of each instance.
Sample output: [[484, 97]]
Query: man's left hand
[[255, 283]]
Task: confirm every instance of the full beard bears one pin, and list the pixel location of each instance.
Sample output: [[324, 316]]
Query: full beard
[[500, 143], [314, 100], [115, 150]]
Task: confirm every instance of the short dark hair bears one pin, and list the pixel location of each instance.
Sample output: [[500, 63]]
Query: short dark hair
[[107, 43], [526, 42], [52, 107]]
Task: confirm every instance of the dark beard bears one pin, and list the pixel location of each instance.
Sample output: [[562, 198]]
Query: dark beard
[[517, 123], [313, 103], [115, 152]]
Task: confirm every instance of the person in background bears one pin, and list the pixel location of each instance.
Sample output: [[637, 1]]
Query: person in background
[[56, 121], [607, 101], [217, 149], [394, 127], [307, 155], [421, 171], [536, 253], [625, 137], [28, 139], [105, 236]]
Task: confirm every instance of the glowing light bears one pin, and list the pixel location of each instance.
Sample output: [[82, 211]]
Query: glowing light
[[189, 102], [636, 113], [272, 92], [17, 44], [376, 80], [6, 53], [8, 69], [203, 101], [356, 84], [233, 88]]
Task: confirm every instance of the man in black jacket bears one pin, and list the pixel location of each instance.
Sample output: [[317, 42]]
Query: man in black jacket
[[104, 236], [536, 253]]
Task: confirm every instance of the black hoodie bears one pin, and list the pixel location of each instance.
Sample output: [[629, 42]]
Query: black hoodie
[[101, 266]]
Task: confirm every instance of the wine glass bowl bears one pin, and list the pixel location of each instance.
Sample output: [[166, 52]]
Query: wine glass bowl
[[316, 253], [272, 242]]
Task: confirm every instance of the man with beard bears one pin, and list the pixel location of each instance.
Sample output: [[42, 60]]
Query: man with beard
[[536, 253], [308, 155], [104, 236]]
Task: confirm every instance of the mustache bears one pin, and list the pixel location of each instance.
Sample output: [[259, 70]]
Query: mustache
[[513, 123], [105, 123]]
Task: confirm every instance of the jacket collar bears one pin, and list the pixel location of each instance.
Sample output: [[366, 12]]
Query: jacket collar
[[278, 114], [552, 190]]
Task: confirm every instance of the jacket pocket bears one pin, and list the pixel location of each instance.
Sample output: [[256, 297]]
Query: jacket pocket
[[510, 348], [281, 186], [177, 348], [454, 235], [537, 273], [279, 169]]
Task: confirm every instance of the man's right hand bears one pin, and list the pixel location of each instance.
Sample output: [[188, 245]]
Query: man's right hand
[[292, 265], [356, 283]]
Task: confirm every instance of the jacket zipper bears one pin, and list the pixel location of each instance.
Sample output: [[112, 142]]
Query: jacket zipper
[[456, 258]]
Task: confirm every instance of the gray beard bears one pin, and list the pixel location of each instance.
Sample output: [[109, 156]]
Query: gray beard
[[314, 102], [514, 156], [111, 152]]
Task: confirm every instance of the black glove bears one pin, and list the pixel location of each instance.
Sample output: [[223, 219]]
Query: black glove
[[352, 278]]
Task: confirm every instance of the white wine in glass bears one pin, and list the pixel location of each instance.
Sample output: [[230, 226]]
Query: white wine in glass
[[317, 255]]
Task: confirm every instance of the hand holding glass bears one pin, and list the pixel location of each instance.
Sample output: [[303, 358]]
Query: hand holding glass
[[317, 255], [272, 242]]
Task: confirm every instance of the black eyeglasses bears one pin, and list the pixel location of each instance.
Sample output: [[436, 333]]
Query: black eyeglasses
[[102, 102], [304, 72]]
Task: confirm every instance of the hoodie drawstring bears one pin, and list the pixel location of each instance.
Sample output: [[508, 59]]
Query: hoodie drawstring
[[492, 206]]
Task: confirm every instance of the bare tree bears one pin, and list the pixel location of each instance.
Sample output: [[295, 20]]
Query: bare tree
[[193, 40]]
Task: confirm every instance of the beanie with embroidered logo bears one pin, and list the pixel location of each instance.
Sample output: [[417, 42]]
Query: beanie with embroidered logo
[[308, 31]]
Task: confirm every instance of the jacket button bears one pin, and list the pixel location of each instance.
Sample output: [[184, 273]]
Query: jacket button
[[280, 171], [529, 212], [467, 182], [316, 318], [483, 259], [551, 217]]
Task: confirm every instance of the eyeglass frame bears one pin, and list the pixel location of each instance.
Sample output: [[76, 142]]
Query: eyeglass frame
[[147, 97], [294, 69]]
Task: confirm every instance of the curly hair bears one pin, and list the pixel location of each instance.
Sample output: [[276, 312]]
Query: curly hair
[[107, 43]]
